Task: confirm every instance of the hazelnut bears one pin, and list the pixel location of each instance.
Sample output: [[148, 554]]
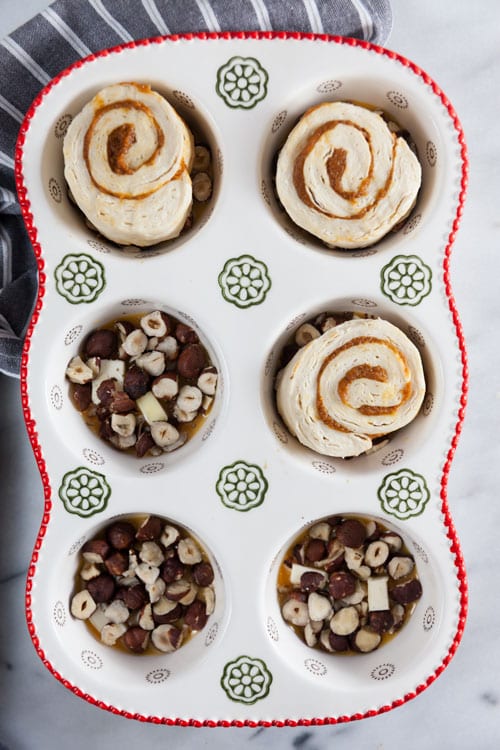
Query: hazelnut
[[152, 362], [177, 590], [345, 621], [295, 612], [123, 424], [184, 416], [189, 398], [124, 327], [82, 396], [202, 187], [310, 636], [351, 533], [202, 158], [117, 563], [165, 386], [320, 531], [101, 343], [393, 540], [83, 605], [315, 550], [121, 403], [406, 593], [381, 622], [366, 640], [164, 434], [144, 444], [169, 346], [310, 581], [88, 571], [155, 324], [338, 642], [169, 535], [120, 534], [376, 553], [150, 529], [134, 597], [101, 588], [399, 567], [156, 590], [191, 361], [135, 343], [207, 381], [145, 620], [189, 552], [136, 382], [78, 372], [166, 638], [196, 615], [172, 570], [203, 574], [319, 607], [136, 639], [112, 632], [116, 612], [185, 334], [95, 550], [151, 553], [341, 584], [122, 443], [207, 595], [165, 611], [306, 333], [147, 573]]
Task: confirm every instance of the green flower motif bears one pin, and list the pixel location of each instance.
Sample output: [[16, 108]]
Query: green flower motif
[[406, 280], [403, 494], [242, 82], [241, 486], [79, 278], [84, 492], [246, 680], [244, 281]]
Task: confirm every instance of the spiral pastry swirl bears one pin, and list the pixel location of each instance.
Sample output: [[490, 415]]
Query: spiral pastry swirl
[[127, 159], [360, 380], [345, 177]]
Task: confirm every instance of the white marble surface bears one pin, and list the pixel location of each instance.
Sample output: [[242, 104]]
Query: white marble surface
[[457, 44]]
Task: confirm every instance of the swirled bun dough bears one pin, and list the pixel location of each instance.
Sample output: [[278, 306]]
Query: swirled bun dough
[[345, 177], [127, 159], [360, 380]]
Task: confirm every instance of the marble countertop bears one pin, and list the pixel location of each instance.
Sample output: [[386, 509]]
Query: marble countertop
[[457, 44]]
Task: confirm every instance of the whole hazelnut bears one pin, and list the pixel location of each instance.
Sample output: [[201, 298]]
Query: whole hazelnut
[[191, 361], [136, 639], [351, 533], [341, 584], [134, 597], [150, 530], [120, 534], [172, 569], [81, 396], [185, 334], [315, 550], [203, 574], [101, 343], [117, 563], [136, 382], [144, 443], [310, 581], [101, 588], [196, 615]]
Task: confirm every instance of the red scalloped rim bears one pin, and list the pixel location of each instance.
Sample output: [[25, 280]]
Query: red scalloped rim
[[31, 425]]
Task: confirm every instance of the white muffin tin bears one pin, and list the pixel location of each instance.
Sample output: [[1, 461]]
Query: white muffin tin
[[245, 278]]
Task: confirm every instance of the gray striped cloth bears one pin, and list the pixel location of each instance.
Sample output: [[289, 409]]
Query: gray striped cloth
[[72, 29]]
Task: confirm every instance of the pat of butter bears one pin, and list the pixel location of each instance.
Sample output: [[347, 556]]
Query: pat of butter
[[378, 594], [151, 408], [109, 368]]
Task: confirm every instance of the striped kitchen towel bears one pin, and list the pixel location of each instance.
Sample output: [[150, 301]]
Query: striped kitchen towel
[[71, 29]]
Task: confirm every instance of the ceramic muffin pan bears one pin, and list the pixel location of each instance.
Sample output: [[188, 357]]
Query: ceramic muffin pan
[[245, 278]]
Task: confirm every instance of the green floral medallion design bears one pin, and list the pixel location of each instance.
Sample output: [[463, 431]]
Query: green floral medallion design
[[406, 280], [403, 494], [244, 281], [84, 492], [242, 82], [246, 680], [79, 278], [242, 486]]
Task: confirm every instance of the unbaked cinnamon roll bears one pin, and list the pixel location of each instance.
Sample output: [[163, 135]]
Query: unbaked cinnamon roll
[[345, 177], [127, 158], [358, 381]]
